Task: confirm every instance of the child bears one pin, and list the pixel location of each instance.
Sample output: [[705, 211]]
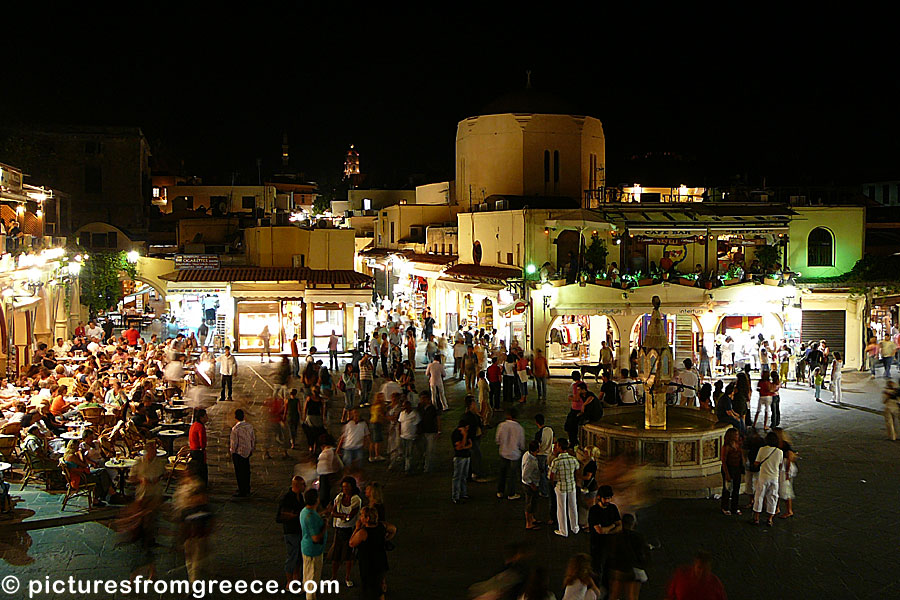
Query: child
[[818, 380]]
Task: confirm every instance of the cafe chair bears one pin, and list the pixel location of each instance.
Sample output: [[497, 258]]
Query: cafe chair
[[8, 445], [178, 463], [35, 471], [82, 489], [94, 414]]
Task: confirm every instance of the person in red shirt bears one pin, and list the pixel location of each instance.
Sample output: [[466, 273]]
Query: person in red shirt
[[696, 581], [494, 376], [80, 331], [197, 444], [131, 334]]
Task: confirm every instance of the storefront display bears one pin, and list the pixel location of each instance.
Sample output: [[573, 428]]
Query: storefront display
[[328, 318], [252, 318]]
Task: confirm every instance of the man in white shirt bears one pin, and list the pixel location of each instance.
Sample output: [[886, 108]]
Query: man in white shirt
[[94, 331], [409, 423], [354, 440], [94, 346], [227, 368], [768, 461], [510, 439], [241, 445], [690, 379], [435, 373]]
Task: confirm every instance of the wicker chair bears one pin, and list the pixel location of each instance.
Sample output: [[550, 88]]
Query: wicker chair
[[94, 414], [35, 471], [84, 489], [178, 463], [8, 445]]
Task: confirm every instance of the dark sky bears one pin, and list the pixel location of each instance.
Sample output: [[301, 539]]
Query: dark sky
[[729, 94]]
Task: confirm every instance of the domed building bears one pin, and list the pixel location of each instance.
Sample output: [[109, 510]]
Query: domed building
[[529, 143]]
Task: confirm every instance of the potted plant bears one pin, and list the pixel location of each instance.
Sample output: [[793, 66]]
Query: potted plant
[[768, 255], [689, 279], [731, 276]]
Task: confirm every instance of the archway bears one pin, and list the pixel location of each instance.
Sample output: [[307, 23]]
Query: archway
[[747, 332]]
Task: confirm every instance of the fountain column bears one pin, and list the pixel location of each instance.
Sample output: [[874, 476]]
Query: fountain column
[[657, 368]]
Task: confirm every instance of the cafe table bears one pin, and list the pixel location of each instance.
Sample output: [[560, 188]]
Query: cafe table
[[168, 437], [122, 465], [72, 435]]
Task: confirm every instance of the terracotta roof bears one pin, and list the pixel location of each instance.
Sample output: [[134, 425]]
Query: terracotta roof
[[432, 259], [483, 272], [310, 276]]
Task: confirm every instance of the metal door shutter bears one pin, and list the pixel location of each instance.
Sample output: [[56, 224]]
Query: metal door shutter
[[828, 325]]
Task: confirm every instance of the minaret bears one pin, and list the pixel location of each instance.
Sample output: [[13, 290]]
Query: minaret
[[351, 166]]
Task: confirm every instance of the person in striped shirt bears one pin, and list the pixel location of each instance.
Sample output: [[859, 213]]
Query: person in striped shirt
[[562, 471]]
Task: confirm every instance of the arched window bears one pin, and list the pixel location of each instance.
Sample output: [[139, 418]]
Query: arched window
[[820, 248], [476, 253], [546, 166]]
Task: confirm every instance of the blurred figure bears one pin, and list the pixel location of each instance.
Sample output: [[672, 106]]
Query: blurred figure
[[691, 582], [288, 515], [892, 409], [627, 561], [510, 581], [196, 523], [579, 580]]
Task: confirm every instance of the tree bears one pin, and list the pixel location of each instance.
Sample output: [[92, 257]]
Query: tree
[[595, 256], [101, 275]]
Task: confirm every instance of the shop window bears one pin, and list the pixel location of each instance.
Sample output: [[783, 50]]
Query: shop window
[[392, 232], [84, 239], [555, 167], [820, 248], [367, 204], [450, 249], [112, 239], [476, 253]]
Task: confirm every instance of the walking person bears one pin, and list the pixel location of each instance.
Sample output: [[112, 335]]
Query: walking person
[[472, 420], [295, 357], [470, 368], [289, 509], [523, 370], [544, 437], [562, 472], [540, 370], [227, 369], [436, 374], [891, 398], [764, 387], [776, 398], [627, 561], [277, 413], [511, 385], [195, 519], [241, 444], [328, 467], [510, 438], [732, 471], [354, 440], [350, 386], [333, 340], [579, 580], [605, 521], [197, 445], [531, 481], [370, 539], [344, 512], [265, 339], [366, 379], [293, 416], [281, 378], [312, 540], [705, 370], [411, 348], [888, 350], [494, 376], [429, 428], [462, 456], [696, 581], [769, 460], [836, 365], [409, 425], [787, 474]]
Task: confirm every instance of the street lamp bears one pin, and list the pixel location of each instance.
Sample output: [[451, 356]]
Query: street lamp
[[133, 256]]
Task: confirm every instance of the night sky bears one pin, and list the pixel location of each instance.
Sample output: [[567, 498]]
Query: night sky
[[803, 102]]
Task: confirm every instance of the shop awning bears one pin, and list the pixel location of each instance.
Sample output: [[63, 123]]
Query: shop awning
[[268, 291], [468, 271], [313, 277], [455, 285]]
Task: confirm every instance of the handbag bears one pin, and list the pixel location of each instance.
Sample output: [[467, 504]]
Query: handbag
[[640, 575]]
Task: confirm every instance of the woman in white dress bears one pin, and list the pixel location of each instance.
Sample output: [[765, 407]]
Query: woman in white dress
[[728, 355], [836, 367]]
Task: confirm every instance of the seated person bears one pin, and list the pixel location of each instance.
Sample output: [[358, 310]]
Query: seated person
[[626, 387], [35, 445], [80, 472], [79, 345], [59, 405]]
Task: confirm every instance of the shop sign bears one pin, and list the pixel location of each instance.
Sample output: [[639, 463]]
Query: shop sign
[[691, 311], [679, 233], [750, 231], [665, 241], [519, 308], [197, 262], [610, 311]]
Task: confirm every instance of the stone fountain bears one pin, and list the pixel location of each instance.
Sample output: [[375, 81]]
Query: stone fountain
[[679, 447]]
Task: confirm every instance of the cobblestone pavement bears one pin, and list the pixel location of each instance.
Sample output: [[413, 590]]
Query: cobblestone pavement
[[841, 544]]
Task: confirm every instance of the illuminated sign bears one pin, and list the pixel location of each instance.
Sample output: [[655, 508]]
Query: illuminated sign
[[197, 262]]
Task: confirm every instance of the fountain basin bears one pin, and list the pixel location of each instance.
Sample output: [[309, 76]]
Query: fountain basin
[[683, 460]]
